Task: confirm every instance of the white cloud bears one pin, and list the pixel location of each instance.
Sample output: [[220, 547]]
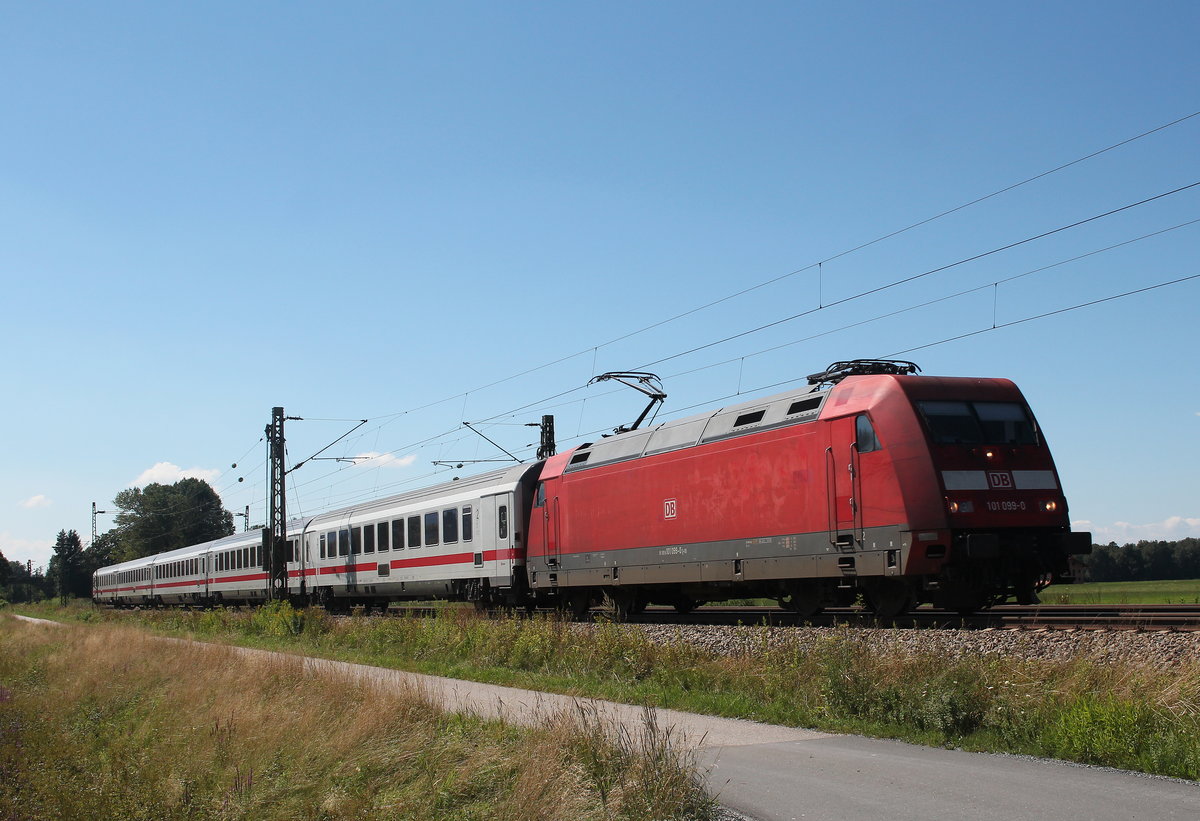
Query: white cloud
[[38, 551], [387, 460], [35, 501], [165, 473], [1170, 529]]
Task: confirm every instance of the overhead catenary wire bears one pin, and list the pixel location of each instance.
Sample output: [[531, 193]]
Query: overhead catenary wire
[[826, 260], [915, 277], [385, 419], [542, 403]]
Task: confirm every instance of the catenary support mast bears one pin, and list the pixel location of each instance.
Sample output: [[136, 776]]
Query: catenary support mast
[[275, 533]]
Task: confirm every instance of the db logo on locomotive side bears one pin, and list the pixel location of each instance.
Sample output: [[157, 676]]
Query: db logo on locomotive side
[[1000, 480], [669, 509]]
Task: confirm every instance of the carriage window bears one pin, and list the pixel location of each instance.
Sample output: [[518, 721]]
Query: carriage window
[[343, 542], [369, 539], [355, 540], [502, 522], [381, 533], [322, 545], [864, 435], [466, 523], [414, 531], [398, 534], [450, 525], [431, 528]]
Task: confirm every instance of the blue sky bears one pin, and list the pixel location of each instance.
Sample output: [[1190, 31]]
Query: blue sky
[[382, 210]]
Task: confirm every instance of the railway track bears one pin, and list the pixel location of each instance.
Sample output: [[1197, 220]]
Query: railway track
[[1177, 617], [1168, 617], [1137, 617]]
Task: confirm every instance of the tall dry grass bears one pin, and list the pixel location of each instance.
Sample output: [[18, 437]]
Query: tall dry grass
[[109, 722], [1111, 712]]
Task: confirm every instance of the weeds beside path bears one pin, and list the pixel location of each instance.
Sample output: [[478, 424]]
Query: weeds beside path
[[1114, 714], [110, 722]]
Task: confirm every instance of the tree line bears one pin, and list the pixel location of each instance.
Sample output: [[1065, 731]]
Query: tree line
[[148, 520], [1144, 561]]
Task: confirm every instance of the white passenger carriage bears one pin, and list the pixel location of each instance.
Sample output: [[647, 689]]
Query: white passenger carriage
[[180, 576], [457, 540], [127, 583]]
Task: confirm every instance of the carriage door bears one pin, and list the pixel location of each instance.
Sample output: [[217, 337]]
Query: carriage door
[[495, 529], [844, 479]]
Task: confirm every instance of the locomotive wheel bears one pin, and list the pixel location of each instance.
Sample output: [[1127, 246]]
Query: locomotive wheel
[[684, 605], [806, 599], [618, 604], [577, 603], [887, 598]]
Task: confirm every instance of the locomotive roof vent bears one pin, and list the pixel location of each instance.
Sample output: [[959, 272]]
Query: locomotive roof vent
[[862, 367]]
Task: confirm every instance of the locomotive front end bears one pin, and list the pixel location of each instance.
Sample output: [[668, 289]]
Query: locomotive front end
[[1002, 527]]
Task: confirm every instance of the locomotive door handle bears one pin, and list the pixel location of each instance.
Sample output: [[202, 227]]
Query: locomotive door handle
[[830, 491], [856, 506]]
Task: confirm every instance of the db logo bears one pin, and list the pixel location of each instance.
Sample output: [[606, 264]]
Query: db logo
[[669, 509], [1000, 479]]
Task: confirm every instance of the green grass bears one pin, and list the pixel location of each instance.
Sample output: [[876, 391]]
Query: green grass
[[104, 721], [1156, 592], [1117, 713]]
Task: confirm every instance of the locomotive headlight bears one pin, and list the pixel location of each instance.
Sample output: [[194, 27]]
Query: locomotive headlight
[[989, 454], [960, 507], [1049, 505]]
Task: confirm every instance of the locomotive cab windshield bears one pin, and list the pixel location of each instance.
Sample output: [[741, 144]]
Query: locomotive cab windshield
[[978, 423]]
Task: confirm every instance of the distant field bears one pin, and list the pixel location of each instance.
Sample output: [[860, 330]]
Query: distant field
[[1161, 592]]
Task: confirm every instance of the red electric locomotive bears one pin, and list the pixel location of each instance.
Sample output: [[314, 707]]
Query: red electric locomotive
[[870, 480]]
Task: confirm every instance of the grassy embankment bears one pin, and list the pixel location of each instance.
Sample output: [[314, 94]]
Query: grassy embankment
[[1116, 714], [1159, 592], [109, 722]]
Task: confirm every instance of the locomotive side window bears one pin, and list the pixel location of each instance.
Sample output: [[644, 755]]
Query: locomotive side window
[[450, 525], [864, 435], [502, 522], [431, 528], [540, 501]]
